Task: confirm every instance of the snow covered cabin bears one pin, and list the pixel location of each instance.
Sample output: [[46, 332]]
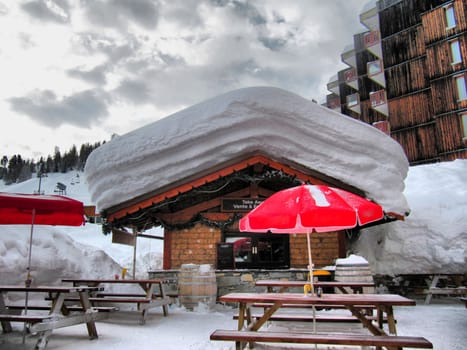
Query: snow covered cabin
[[196, 172]]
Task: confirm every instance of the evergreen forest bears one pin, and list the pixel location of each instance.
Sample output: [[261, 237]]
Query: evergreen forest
[[15, 169]]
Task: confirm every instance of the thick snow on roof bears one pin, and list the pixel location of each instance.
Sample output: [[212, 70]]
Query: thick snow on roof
[[269, 120]]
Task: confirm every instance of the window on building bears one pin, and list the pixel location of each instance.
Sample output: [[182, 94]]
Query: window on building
[[464, 124], [352, 100], [455, 52], [461, 89], [374, 67], [450, 16]]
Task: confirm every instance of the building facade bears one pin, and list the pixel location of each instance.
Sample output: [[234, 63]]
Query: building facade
[[407, 76]]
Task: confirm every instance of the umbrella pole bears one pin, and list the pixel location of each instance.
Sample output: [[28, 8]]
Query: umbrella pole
[[310, 262], [310, 266], [28, 270]]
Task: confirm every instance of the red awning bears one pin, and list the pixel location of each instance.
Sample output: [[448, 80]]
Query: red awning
[[17, 208]]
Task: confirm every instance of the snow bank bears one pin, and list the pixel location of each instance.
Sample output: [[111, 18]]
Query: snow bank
[[272, 121], [433, 238]]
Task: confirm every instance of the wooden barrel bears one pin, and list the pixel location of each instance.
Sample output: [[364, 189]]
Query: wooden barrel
[[353, 272], [197, 285]]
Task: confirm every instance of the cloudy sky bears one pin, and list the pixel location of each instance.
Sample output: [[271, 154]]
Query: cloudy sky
[[78, 71]]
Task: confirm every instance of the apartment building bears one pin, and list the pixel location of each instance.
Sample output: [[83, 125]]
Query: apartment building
[[407, 76]]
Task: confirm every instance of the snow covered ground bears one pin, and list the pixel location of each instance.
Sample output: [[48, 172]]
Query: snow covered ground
[[435, 234]]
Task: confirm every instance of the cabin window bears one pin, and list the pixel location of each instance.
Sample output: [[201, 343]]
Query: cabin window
[[464, 124], [455, 52], [450, 16], [263, 251], [461, 89]]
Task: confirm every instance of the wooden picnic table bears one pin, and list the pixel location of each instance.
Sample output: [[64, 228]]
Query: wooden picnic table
[[464, 300], [283, 285], [56, 315], [384, 303], [154, 294], [433, 289]]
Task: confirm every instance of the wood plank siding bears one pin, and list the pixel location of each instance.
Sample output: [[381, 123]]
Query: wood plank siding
[[410, 110], [435, 26], [449, 132], [368, 114], [406, 78], [445, 97], [439, 58], [405, 46], [418, 141]]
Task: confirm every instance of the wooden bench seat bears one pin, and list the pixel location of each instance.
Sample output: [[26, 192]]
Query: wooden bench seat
[[322, 338], [19, 308], [309, 306], [446, 291], [137, 295], [119, 299], [464, 300], [309, 318], [24, 318]]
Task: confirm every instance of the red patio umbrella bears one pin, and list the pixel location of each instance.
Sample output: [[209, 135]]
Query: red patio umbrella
[[32, 209], [20, 209], [311, 208]]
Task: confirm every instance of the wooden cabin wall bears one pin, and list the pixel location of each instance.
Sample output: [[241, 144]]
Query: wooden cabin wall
[[418, 143], [404, 46], [434, 22], [410, 110], [439, 58], [324, 249], [196, 245], [406, 78], [450, 132]]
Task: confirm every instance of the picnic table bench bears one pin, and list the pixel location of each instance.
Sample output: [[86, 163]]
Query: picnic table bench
[[311, 318], [154, 294], [433, 289], [249, 324], [464, 300], [56, 315], [390, 341], [284, 285]]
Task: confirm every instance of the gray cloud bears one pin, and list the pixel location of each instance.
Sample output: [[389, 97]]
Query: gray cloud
[[3, 9], [97, 75], [243, 9], [249, 43], [119, 13], [82, 109], [185, 13], [134, 91], [115, 49], [57, 11], [273, 43]]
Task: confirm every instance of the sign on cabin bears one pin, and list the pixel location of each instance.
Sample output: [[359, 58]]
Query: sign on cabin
[[240, 204], [122, 237]]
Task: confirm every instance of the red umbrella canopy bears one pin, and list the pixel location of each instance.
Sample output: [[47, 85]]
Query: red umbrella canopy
[[17, 208], [309, 208]]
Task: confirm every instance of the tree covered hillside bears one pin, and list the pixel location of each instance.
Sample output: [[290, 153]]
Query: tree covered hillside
[[15, 169]]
